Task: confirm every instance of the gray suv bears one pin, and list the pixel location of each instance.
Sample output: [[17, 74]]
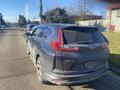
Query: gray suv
[[66, 54]]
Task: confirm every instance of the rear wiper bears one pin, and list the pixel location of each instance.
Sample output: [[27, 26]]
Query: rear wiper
[[84, 42]]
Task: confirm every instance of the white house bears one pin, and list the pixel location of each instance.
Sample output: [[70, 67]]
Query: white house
[[113, 15], [110, 23]]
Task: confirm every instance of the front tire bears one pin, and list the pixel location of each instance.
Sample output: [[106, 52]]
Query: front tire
[[40, 71]]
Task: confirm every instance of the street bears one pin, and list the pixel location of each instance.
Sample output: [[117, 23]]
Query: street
[[17, 71]]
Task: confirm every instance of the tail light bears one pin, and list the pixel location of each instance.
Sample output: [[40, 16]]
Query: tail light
[[58, 45], [105, 45]]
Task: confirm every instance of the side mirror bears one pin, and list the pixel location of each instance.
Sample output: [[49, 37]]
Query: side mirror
[[28, 34]]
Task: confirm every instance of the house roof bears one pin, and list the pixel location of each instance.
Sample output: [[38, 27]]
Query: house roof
[[115, 6], [86, 17]]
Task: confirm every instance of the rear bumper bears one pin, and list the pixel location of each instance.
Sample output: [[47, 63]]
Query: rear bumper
[[74, 79]]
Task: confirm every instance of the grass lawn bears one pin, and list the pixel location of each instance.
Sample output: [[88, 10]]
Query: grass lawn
[[114, 46]]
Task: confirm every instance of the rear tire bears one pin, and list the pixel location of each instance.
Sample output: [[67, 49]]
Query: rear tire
[[40, 74]]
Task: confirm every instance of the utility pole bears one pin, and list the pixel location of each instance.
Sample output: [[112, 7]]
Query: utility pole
[[84, 8], [41, 11], [26, 11]]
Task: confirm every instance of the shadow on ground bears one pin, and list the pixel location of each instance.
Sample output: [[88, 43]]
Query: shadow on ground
[[98, 84], [17, 75], [2, 31]]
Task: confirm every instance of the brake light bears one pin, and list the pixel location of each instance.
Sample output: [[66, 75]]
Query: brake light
[[105, 45], [58, 45]]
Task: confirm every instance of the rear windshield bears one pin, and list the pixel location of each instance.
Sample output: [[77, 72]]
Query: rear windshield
[[82, 36]]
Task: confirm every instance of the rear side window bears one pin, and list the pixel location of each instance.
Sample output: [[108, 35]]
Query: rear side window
[[47, 32], [82, 35]]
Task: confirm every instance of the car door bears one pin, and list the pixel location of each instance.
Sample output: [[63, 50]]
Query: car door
[[36, 42], [46, 48], [29, 41]]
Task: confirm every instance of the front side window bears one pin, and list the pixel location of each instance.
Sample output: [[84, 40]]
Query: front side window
[[34, 32], [37, 31]]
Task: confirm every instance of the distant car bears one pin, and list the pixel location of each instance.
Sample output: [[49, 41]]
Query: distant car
[[3, 26], [29, 27], [68, 54]]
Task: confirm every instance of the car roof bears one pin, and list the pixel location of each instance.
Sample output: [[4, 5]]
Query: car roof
[[31, 24], [60, 25]]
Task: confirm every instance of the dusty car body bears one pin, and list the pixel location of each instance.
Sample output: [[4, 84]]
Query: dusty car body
[[68, 54]]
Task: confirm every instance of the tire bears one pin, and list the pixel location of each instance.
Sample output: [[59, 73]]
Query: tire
[[40, 74]]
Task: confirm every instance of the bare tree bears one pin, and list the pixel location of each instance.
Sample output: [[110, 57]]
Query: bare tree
[[84, 7]]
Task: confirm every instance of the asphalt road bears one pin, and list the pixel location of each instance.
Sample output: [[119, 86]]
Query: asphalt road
[[17, 71]]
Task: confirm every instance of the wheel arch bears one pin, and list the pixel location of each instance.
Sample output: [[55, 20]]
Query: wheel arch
[[37, 56]]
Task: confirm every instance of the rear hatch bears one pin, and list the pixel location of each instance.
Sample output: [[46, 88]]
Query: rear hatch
[[88, 50]]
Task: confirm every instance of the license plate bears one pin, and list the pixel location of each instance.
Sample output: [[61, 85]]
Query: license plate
[[90, 65]]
